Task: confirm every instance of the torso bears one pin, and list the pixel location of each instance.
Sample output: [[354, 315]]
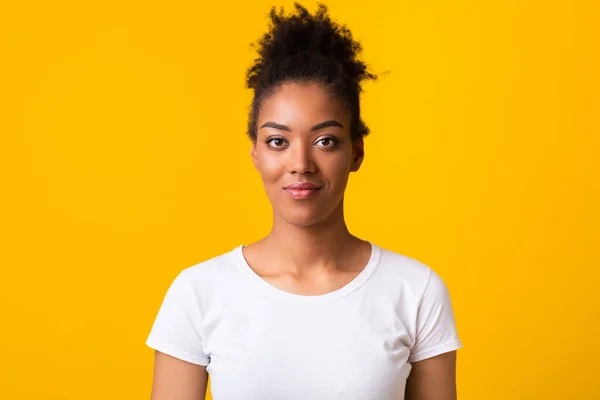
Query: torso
[[261, 342], [352, 343]]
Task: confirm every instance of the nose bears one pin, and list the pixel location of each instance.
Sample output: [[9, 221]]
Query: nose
[[301, 159]]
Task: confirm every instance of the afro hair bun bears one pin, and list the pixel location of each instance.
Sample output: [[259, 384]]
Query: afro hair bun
[[308, 47]]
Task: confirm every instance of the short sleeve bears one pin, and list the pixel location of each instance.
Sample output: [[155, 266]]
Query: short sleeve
[[436, 328], [176, 328]]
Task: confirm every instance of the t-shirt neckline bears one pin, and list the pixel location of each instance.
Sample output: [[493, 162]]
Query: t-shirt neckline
[[351, 286]]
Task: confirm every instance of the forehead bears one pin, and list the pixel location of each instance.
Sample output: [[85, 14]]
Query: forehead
[[301, 105]]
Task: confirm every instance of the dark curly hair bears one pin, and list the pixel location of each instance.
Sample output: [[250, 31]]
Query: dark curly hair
[[304, 47]]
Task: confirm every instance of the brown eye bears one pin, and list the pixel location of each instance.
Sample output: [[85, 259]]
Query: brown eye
[[276, 142], [326, 142]]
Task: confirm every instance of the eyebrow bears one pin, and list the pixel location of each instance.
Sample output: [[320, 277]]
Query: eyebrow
[[321, 125]]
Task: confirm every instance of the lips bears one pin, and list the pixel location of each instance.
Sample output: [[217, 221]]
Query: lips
[[302, 186], [302, 190]]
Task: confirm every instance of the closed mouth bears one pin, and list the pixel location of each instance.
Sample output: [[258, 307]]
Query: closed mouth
[[302, 191], [302, 186]]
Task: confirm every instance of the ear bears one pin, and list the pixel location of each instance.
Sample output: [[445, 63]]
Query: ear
[[358, 154], [253, 153]]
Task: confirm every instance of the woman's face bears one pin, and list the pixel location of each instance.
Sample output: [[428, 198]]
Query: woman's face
[[304, 153]]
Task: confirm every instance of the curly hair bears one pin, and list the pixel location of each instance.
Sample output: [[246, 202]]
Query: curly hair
[[305, 47]]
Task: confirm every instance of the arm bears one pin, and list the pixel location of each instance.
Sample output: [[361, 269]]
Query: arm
[[179, 358], [433, 378], [175, 379]]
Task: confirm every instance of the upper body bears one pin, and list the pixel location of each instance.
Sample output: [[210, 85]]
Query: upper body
[[310, 311], [257, 341]]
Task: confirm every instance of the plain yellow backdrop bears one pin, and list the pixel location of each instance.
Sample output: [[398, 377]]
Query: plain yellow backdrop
[[124, 160]]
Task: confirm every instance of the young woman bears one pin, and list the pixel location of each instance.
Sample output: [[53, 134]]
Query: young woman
[[310, 311]]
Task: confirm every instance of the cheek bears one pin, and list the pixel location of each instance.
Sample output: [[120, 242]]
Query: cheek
[[270, 167], [338, 170]]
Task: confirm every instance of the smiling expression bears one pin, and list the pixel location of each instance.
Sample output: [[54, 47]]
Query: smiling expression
[[304, 153]]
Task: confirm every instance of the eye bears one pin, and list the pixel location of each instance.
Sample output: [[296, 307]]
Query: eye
[[276, 142], [328, 142]]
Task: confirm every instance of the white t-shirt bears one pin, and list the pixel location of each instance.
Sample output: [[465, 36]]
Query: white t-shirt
[[262, 343]]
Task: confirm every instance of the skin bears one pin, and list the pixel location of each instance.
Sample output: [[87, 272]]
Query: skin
[[433, 378], [303, 135], [176, 379]]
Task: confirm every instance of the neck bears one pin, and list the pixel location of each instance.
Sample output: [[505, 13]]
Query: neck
[[315, 246]]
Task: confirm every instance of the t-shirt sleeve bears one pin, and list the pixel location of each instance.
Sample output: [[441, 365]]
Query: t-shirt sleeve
[[176, 328], [436, 328]]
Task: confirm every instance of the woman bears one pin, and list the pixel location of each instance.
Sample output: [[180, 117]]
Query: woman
[[310, 311]]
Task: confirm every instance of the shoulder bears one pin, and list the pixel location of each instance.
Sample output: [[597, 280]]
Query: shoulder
[[212, 272], [411, 275]]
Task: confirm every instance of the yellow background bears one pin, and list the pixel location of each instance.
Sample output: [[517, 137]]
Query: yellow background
[[123, 160]]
